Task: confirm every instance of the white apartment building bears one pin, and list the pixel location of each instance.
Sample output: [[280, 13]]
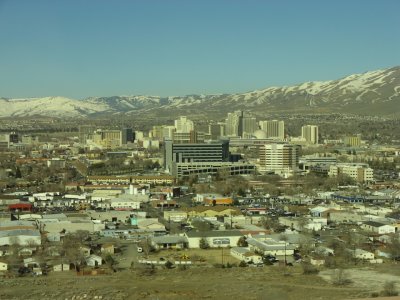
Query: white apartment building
[[183, 124], [310, 133], [358, 171], [273, 128], [279, 158]]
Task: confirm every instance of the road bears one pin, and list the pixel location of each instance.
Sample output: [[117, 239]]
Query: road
[[129, 254]]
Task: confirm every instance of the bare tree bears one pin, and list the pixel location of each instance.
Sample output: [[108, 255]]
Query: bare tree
[[71, 249], [146, 246], [340, 277], [394, 247]]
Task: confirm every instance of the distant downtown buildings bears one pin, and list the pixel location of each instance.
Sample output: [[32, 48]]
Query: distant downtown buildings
[[310, 134]]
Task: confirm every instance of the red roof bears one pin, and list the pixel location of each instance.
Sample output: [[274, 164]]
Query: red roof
[[20, 206]]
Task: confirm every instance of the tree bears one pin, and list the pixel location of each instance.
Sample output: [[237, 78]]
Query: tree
[[394, 247], [306, 245], [18, 173], [110, 261], [242, 242], [146, 246], [71, 248], [301, 223], [203, 243]]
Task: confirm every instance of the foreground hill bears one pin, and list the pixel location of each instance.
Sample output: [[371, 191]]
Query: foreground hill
[[370, 93]]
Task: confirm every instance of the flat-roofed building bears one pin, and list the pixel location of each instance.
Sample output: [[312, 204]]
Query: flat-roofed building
[[279, 158], [358, 171]]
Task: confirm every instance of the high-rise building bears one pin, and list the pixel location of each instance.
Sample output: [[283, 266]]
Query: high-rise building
[[128, 136], [215, 131], [85, 132], [279, 158], [192, 137], [156, 132], [234, 124], [215, 151], [249, 125], [183, 124], [168, 132], [310, 133], [109, 139], [273, 129]]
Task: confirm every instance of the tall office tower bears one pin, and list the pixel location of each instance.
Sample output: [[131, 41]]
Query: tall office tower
[[310, 133], [156, 132], [128, 136], [279, 158], [109, 139], [85, 132], [13, 137], [274, 128], [192, 137], [183, 124], [215, 151], [215, 131], [139, 135], [234, 124], [249, 125], [168, 132]]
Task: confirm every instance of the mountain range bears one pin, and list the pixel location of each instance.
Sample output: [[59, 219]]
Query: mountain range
[[371, 93]]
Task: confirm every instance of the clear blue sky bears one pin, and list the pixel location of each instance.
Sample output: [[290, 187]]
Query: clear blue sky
[[81, 48]]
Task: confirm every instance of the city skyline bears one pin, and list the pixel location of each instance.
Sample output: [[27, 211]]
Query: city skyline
[[96, 48]]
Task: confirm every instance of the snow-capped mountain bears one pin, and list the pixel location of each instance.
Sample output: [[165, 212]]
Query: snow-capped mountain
[[375, 92]]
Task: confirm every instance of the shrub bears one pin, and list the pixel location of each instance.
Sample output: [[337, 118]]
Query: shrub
[[389, 289], [309, 268], [183, 267], [203, 243], [242, 264], [169, 264], [148, 270], [340, 277]]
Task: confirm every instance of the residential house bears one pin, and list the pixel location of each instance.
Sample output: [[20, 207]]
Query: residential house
[[61, 267], [318, 211], [93, 260], [85, 250], [378, 228], [107, 248], [362, 254], [169, 242]]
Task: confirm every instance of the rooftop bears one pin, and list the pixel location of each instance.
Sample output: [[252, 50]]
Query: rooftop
[[215, 233]]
